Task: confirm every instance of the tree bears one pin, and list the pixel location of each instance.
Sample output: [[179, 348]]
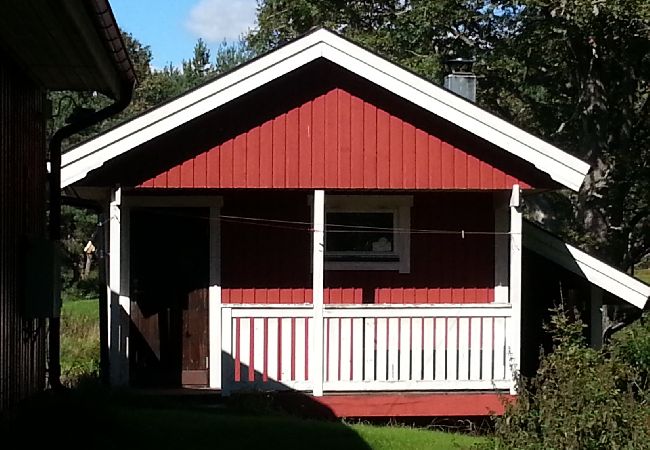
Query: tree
[[419, 34], [78, 227], [197, 68], [577, 74], [231, 55], [158, 87], [574, 72]]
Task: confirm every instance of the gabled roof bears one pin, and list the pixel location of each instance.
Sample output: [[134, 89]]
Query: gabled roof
[[559, 165], [593, 270]]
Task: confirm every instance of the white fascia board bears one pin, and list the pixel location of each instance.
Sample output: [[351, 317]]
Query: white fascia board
[[560, 166], [593, 270]]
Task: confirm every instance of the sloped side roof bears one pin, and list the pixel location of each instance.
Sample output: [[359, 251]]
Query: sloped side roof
[[593, 270], [559, 165]]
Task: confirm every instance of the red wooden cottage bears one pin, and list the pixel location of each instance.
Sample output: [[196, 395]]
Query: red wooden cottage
[[323, 221]]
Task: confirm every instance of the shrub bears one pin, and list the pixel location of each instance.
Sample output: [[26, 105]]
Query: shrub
[[632, 345], [579, 399]]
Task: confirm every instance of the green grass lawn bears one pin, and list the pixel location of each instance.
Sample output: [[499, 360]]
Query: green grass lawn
[[413, 438], [79, 340], [103, 420], [81, 309], [98, 419], [254, 432]]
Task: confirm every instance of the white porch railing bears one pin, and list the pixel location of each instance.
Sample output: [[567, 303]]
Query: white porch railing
[[367, 347]]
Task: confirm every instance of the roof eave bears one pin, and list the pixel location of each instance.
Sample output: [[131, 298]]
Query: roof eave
[[593, 270], [66, 45], [109, 50], [114, 43]]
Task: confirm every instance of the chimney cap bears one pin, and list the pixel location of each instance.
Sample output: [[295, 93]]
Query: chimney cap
[[460, 65]]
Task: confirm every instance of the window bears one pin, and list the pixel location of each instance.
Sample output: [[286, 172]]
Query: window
[[367, 232]]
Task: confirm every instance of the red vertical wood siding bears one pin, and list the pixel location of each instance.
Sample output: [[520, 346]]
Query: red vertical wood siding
[[335, 141], [22, 214], [266, 262], [270, 263]]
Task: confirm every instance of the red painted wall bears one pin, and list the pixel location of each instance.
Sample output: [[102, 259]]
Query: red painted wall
[[22, 214], [270, 263], [266, 262], [335, 140]]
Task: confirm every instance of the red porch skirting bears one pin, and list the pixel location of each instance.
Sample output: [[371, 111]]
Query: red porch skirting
[[441, 404]]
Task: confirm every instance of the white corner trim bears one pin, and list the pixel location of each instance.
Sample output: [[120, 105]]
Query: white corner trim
[[559, 165], [593, 270], [514, 287]]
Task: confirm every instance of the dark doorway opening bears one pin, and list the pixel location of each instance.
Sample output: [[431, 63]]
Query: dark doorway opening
[[169, 296]]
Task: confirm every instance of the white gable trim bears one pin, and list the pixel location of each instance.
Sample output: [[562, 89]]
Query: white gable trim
[[560, 166], [593, 270]]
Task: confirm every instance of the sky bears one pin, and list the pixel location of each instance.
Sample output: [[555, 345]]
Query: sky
[[171, 27]]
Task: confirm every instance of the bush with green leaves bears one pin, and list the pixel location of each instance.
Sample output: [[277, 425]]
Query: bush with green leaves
[[580, 398], [632, 345]]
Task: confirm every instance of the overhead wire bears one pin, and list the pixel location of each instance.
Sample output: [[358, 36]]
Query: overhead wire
[[298, 225]]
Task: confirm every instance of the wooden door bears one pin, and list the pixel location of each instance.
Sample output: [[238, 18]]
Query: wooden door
[[169, 290], [195, 339]]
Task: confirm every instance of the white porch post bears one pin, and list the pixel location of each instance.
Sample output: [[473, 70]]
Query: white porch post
[[316, 362], [214, 299], [118, 291], [227, 361], [515, 280], [596, 317]]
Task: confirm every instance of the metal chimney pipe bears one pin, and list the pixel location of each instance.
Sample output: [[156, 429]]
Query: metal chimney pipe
[[461, 79]]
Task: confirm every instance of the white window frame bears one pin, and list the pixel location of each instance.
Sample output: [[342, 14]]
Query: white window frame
[[398, 205]]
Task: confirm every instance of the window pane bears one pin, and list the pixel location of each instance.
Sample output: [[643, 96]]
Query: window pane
[[360, 232]]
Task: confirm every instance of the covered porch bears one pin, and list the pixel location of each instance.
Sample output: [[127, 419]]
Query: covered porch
[[438, 312]]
